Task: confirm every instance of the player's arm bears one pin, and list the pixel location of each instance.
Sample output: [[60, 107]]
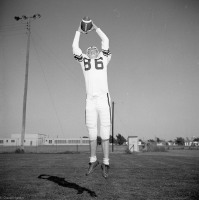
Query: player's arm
[[105, 41], [77, 52]]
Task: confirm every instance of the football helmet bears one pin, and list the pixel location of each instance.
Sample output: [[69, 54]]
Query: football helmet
[[92, 52]]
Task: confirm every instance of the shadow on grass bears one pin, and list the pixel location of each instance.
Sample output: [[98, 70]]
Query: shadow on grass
[[62, 182]]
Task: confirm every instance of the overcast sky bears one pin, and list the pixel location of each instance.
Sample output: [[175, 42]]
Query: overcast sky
[[153, 75]]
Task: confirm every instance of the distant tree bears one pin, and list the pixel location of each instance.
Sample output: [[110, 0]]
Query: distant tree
[[158, 140], [196, 139], [99, 140], [179, 141], [151, 140], [120, 139], [142, 142], [111, 138], [85, 137]]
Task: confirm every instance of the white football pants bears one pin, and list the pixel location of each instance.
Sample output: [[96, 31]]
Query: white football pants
[[98, 106]]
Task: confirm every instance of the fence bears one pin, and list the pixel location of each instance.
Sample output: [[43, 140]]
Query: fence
[[60, 148], [152, 147]]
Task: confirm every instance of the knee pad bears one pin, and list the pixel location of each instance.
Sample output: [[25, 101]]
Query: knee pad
[[105, 123], [91, 123], [105, 132], [105, 127], [92, 132]]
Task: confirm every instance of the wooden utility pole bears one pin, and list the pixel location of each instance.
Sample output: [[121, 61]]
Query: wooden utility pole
[[28, 20]]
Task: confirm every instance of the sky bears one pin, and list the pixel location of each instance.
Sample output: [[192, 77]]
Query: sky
[[153, 75]]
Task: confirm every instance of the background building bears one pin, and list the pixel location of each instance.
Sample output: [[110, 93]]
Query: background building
[[38, 139]]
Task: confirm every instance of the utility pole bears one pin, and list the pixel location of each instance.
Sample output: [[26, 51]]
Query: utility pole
[[112, 125], [28, 20]]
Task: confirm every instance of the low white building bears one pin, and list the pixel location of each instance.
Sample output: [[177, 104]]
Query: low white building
[[191, 143], [29, 140], [41, 139], [171, 143], [7, 142], [64, 141]]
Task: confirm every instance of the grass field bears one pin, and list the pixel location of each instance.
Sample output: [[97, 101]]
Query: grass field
[[172, 175]]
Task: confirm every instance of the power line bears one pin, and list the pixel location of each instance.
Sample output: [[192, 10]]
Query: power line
[[47, 85], [52, 56], [118, 116], [14, 27], [11, 26]]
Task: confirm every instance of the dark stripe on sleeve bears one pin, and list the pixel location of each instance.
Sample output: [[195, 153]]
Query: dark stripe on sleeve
[[106, 52], [78, 58]]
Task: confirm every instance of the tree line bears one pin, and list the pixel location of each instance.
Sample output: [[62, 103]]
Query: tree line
[[177, 141], [120, 140]]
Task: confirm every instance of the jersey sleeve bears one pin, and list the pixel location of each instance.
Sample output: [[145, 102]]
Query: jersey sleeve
[[104, 38], [105, 44], [77, 52]]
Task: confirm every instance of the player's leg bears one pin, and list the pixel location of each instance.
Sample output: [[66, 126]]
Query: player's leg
[[93, 147], [105, 165], [105, 134], [105, 126], [91, 123], [105, 148]]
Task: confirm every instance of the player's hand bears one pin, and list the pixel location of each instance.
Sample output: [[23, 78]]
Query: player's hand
[[94, 27], [80, 30]]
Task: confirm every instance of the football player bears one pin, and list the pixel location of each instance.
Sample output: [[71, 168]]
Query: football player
[[98, 103]]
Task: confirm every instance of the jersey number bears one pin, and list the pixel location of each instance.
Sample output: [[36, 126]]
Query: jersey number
[[98, 63]]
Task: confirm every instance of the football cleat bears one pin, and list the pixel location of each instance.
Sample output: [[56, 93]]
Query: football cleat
[[105, 169], [92, 167]]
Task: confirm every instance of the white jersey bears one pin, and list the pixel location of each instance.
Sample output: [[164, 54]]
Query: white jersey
[[94, 70]]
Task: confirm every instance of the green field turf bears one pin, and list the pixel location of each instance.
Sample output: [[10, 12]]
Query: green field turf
[[172, 175]]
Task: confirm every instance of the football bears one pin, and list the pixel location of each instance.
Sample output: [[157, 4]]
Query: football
[[86, 24]]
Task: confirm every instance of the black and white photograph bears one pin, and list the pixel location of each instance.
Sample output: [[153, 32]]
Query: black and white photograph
[[99, 99]]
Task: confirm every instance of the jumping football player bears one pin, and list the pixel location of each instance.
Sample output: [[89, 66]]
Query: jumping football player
[[98, 102]]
